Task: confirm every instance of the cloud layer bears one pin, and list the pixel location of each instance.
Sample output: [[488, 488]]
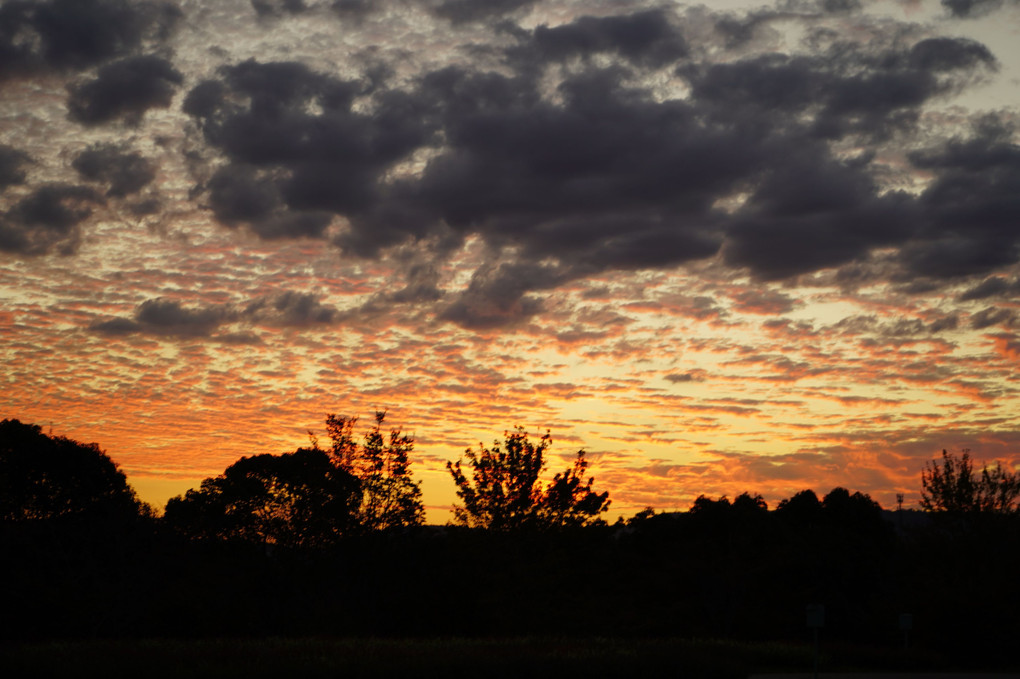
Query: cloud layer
[[678, 234]]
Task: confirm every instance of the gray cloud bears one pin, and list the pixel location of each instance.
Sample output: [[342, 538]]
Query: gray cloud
[[47, 220], [990, 316], [285, 157], [290, 309], [125, 172], [124, 89], [12, 163], [647, 38], [77, 34], [606, 176], [971, 8], [272, 8], [561, 155], [689, 376], [163, 317], [994, 286], [497, 296], [463, 11]]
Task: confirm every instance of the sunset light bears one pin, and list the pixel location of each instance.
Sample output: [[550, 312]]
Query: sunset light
[[721, 248]]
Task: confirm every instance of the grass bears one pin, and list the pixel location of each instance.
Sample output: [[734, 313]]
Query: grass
[[446, 658]]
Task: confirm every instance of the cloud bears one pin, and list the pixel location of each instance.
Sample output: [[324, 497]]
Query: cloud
[[971, 8], [355, 10], [290, 309], [463, 11], [125, 172], [993, 286], [77, 34], [47, 220], [286, 157], [646, 37], [569, 159], [991, 316], [970, 207], [846, 90], [162, 317], [689, 376], [813, 212], [272, 8], [124, 89], [497, 296], [12, 162]]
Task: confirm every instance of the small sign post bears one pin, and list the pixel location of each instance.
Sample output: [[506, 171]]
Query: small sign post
[[815, 614], [906, 624]]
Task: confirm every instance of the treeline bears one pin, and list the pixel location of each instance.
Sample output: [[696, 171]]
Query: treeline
[[303, 544]]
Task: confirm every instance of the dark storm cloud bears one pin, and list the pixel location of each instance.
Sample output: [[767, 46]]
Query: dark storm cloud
[[839, 6], [162, 317], [848, 90], [994, 286], [125, 172], [608, 166], [689, 376], [270, 8], [971, 207], [286, 155], [497, 296], [462, 11], [605, 174], [355, 9], [990, 316], [12, 164], [77, 34], [238, 194], [241, 194], [971, 8], [813, 212], [126, 88], [47, 220], [647, 38], [290, 309]]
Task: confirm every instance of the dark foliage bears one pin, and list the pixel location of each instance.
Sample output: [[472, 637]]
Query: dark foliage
[[299, 499], [505, 491], [953, 487], [726, 569], [55, 478], [390, 497]]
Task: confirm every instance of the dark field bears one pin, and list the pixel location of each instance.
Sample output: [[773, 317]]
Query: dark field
[[447, 658]]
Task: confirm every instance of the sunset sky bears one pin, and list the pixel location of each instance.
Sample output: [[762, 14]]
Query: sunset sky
[[721, 247]]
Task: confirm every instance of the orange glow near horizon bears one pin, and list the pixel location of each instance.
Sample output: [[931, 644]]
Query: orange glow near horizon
[[675, 236], [671, 398]]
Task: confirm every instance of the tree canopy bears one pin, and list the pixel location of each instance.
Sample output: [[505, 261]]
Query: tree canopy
[[296, 499], [505, 491], [954, 487], [390, 497], [52, 477]]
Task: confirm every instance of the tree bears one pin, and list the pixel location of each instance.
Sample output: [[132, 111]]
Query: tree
[[52, 477], [505, 492], [803, 508], [298, 499], [954, 487], [390, 497]]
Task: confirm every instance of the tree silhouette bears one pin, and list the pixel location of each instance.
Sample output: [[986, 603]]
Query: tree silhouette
[[953, 486], [505, 493], [298, 499], [390, 497], [44, 477]]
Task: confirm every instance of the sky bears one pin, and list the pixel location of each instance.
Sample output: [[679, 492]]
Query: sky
[[722, 248]]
